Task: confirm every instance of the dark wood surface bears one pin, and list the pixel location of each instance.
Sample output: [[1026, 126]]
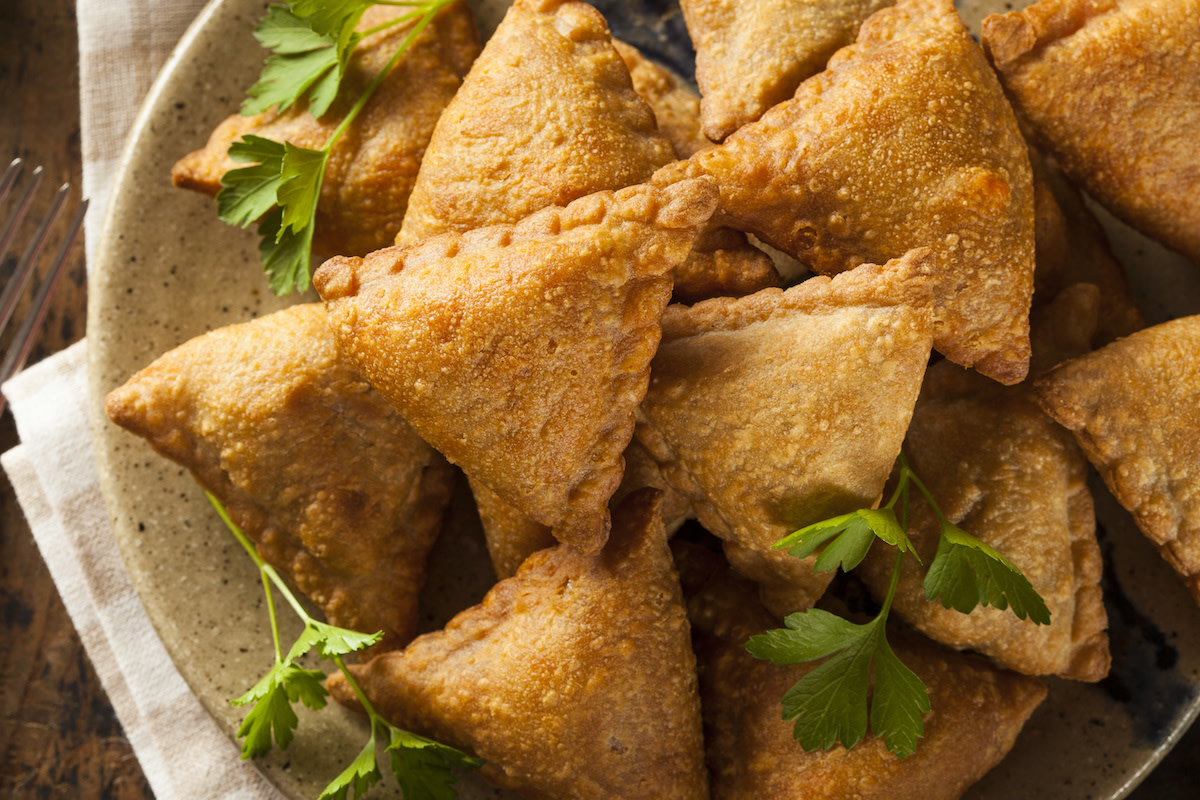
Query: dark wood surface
[[58, 735]]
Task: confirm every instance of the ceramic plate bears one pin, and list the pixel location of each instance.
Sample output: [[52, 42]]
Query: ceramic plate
[[168, 270]]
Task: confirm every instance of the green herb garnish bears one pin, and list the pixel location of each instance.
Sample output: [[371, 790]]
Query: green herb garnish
[[423, 767], [837, 701], [311, 42]]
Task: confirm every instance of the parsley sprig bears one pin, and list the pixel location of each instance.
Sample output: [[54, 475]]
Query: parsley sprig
[[838, 700], [311, 42], [422, 767]]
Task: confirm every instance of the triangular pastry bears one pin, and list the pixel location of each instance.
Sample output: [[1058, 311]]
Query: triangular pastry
[[373, 166], [905, 141], [1007, 474], [752, 54], [520, 352], [573, 679], [977, 710], [547, 115], [780, 409], [337, 491], [1134, 407], [1109, 87]]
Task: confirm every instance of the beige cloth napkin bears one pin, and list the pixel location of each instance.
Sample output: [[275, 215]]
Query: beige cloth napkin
[[122, 44]]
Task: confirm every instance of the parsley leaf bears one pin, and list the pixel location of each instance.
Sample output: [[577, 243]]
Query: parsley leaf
[[830, 703], [250, 192], [272, 716], [423, 767], [846, 538], [311, 43], [281, 190], [286, 255], [966, 573], [302, 60], [860, 679], [362, 773]]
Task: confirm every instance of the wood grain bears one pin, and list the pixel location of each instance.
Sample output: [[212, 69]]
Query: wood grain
[[59, 737]]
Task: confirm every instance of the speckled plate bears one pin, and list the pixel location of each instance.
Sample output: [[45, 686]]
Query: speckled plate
[[169, 270]]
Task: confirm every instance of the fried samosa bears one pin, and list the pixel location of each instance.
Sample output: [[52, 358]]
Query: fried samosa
[[333, 486], [547, 115], [573, 679], [373, 166], [1110, 88], [977, 710], [1007, 474], [521, 351], [752, 54], [905, 141], [1134, 407], [776, 410]]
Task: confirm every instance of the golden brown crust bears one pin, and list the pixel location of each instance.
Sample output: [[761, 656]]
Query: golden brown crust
[[1007, 474], [333, 486], [547, 115], [520, 352], [1134, 407], [575, 678], [782, 408], [1109, 87], [752, 54], [906, 140], [977, 711], [374, 164], [676, 107]]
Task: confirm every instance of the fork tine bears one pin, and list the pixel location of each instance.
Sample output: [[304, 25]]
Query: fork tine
[[24, 271], [18, 215], [14, 170], [23, 339]]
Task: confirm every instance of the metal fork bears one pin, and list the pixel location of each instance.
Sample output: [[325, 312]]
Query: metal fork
[[22, 342]]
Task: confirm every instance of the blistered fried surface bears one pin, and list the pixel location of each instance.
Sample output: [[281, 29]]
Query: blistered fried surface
[[374, 164], [1004, 472], [1110, 88], [978, 711], [906, 140], [520, 352], [1134, 407], [547, 115], [676, 107], [574, 679], [780, 409], [752, 54], [337, 491]]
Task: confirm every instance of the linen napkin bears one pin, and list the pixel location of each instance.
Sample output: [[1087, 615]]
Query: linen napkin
[[184, 754]]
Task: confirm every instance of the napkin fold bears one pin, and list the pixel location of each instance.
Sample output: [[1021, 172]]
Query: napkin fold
[[183, 752]]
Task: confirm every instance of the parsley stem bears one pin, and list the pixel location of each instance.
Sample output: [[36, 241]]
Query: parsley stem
[[358, 692], [427, 16], [263, 567]]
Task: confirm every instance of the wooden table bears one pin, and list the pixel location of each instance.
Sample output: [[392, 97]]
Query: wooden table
[[58, 735]]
